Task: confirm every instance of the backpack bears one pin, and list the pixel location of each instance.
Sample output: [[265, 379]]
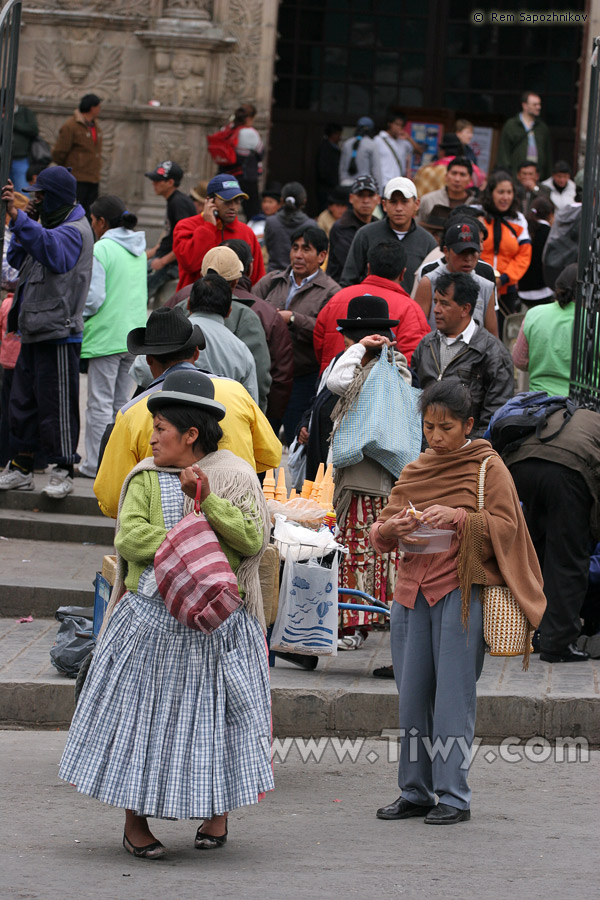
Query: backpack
[[222, 145], [526, 414], [39, 151], [562, 244]]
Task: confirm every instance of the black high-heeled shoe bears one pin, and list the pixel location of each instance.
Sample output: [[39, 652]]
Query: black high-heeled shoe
[[155, 850], [205, 841]]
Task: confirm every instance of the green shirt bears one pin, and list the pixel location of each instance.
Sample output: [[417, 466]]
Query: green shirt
[[549, 333]]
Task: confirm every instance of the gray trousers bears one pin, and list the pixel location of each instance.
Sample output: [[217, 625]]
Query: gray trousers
[[109, 387], [436, 666]]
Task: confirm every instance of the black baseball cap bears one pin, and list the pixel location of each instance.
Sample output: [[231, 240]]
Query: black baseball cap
[[462, 236], [166, 170], [364, 183]]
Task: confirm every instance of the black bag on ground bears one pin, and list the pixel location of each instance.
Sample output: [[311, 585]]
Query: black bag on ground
[[74, 639]]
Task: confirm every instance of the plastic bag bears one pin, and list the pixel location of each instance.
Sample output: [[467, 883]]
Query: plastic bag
[[299, 543], [305, 512], [307, 620], [384, 423], [70, 649], [296, 464]]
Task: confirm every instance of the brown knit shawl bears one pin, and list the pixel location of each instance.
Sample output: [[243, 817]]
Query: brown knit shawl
[[496, 548]]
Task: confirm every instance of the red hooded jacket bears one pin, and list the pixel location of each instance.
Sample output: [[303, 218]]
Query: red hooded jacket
[[194, 237], [328, 342]]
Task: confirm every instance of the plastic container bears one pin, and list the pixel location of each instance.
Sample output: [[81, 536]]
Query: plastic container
[[426, 540]]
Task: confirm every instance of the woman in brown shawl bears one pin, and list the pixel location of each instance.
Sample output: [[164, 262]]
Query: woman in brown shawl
[[436, 621]]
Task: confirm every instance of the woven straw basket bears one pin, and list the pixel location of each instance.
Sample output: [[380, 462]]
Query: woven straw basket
[[505, 626]]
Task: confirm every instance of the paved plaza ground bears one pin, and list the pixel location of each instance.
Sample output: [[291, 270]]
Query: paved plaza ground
[[533, 834]]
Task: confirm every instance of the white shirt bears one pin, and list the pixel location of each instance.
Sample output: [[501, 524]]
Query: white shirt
[[464, 336], [394, 156]]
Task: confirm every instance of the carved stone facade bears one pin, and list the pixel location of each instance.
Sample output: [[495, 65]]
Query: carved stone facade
[[169, 72]]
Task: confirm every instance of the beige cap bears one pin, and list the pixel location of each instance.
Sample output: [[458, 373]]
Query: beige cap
[[224, 261], [406, 187]]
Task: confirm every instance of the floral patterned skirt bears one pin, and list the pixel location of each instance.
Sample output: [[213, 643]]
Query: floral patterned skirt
[[362, 568]]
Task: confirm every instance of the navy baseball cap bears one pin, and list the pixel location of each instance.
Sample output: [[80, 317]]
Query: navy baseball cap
[[226, 187], [55, 180]]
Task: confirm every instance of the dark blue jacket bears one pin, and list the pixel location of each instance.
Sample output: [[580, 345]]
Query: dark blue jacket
[[55, 268]]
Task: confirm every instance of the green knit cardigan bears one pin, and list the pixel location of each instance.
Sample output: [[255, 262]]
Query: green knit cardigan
[[143, 528]]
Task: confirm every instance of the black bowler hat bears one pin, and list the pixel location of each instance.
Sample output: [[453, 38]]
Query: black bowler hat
[[366, 312], [272, 190], [190, 388], [167, 331]]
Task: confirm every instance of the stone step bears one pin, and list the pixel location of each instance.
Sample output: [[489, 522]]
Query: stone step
[[36, 577], [340, 697], [27, 524], [77, 503]]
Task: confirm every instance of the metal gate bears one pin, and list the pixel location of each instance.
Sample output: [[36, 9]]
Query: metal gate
[[10, 24], [585, 361]]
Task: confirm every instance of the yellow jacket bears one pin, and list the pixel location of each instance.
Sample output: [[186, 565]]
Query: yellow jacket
[[246, 432]]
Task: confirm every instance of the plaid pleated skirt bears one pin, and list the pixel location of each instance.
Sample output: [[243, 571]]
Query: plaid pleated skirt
[[173, 723]]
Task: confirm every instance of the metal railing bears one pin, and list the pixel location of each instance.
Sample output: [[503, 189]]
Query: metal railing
[[10, 25], [585, 361]]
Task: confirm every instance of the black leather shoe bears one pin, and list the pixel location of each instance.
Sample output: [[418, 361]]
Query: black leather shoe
[[383, 672], [205, 841], [569, 654], [402, 809], [442, 814], [155, 850]]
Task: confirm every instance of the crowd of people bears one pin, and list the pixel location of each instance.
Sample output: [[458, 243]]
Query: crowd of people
[[271, 331]]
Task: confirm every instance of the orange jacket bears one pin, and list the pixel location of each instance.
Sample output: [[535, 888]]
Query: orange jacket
[[514, 253]]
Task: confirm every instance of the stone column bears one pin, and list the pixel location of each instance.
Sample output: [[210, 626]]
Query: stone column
[[168, 71]]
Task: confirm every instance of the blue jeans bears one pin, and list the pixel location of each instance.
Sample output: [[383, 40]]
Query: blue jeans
[[303, 390], [18, 173]]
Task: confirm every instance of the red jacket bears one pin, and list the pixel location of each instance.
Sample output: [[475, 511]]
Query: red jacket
[[328, 342], [193, 238]]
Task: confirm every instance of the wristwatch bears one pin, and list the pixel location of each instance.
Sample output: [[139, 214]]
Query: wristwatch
[[292, 317]]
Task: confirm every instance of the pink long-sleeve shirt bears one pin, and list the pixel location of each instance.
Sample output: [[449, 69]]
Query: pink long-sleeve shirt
[[434, 574], [10, 344]]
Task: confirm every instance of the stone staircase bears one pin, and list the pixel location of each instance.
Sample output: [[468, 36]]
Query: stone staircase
[[50, 552]]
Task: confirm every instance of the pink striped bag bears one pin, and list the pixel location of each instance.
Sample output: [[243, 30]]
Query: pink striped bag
[[193, 575]]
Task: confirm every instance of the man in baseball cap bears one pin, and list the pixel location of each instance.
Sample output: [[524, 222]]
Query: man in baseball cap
[[400, 204], [166, 171], [364, 198], [217, 223], [162, 264], [461, 246]]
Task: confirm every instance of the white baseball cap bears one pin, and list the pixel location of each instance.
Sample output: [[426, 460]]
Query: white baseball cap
[[406, 187]]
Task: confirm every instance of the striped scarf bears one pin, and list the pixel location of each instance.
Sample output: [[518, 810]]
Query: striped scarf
[[233, 479]]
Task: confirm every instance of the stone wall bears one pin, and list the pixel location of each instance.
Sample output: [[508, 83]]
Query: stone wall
[[196, 60]]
